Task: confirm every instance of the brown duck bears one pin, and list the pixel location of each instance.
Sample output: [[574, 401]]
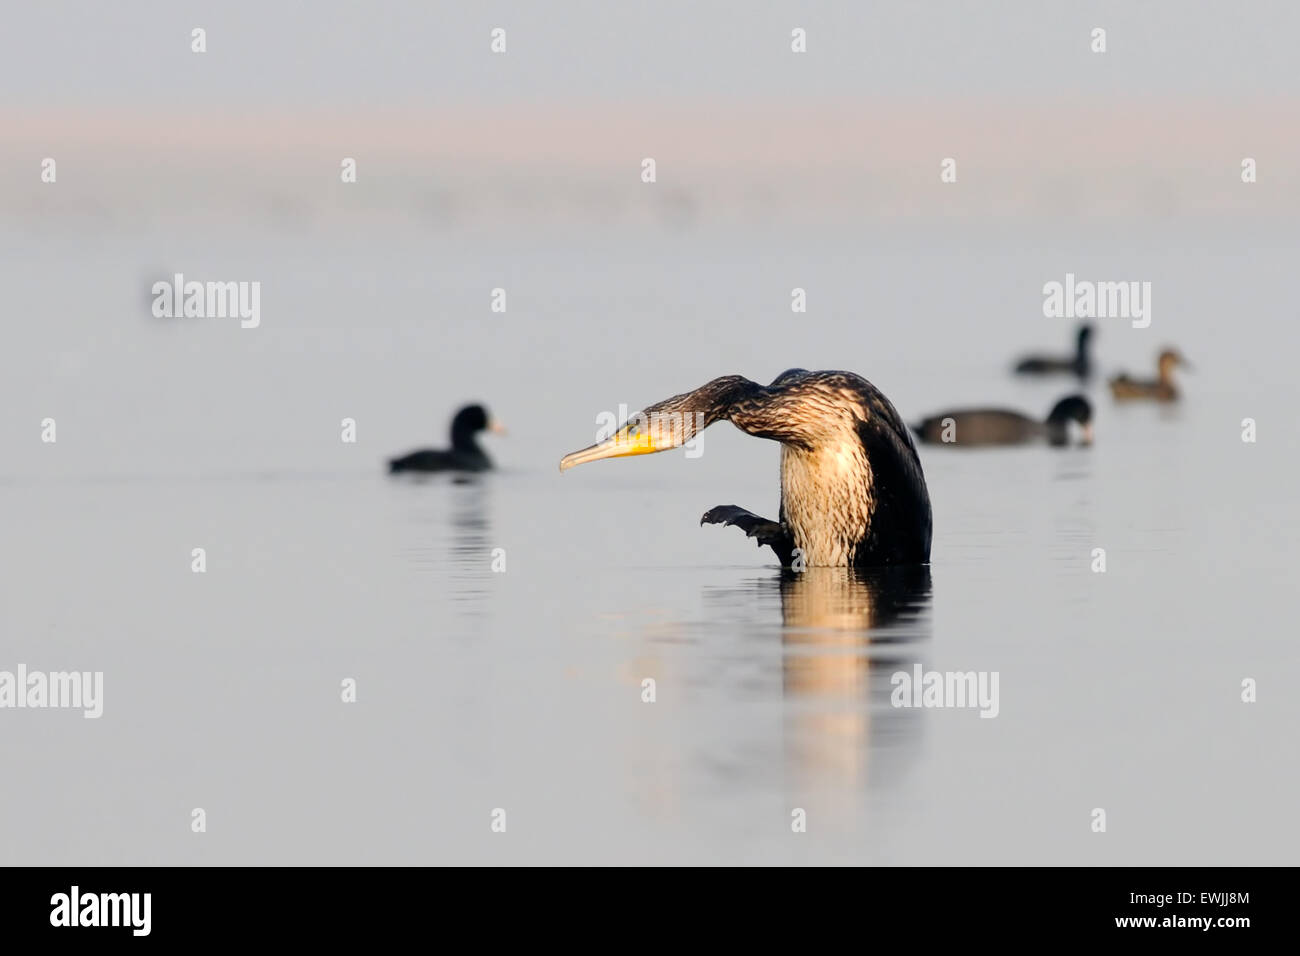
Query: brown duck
[[1159, 389]]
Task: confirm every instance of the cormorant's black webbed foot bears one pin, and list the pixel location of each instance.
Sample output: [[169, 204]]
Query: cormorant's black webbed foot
[[771, 533]]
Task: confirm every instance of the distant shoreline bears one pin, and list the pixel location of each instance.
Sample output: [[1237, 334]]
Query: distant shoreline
[[817, 162]]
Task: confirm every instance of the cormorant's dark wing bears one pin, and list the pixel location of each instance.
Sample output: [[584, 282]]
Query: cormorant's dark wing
[[901, 522]]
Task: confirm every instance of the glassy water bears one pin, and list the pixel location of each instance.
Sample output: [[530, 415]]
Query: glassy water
[[522, 689]]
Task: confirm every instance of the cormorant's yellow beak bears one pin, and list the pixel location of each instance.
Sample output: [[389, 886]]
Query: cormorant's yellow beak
[[1087, 434], [495, 427], [629, 440]]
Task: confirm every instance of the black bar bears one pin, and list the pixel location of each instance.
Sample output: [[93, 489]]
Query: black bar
[[334, 906]]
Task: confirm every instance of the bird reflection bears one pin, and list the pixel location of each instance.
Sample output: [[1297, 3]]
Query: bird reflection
[[792, 702], [461, 555], [845, 633], [471, 531], [878, 603]]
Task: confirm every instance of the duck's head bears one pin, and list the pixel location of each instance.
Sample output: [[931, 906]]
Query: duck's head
[[1072, 408], [471, 420], [1169, 360]]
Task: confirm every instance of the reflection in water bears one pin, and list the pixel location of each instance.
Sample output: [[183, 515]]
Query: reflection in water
[[471, 530], [883, 601], [794, 690], [463, 558], [838, 721]]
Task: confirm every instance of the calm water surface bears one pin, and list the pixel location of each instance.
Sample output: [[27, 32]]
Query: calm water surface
[[522, 690]]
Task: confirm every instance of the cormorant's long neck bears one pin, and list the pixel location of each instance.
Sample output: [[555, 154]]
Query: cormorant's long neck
[[723, 397], [679, 418], [803, 418]]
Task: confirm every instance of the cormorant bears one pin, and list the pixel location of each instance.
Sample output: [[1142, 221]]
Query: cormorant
[[1160, 389], [1080, 364], [852, 489], [464, 454], [996, 426]]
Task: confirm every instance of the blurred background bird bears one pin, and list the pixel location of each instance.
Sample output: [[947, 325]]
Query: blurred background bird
[[1079, 364], [996, 426], [1159, 389], [464, 454]]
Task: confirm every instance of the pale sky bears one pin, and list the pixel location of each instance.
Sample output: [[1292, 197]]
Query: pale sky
[[272, 52], [557, 126]]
